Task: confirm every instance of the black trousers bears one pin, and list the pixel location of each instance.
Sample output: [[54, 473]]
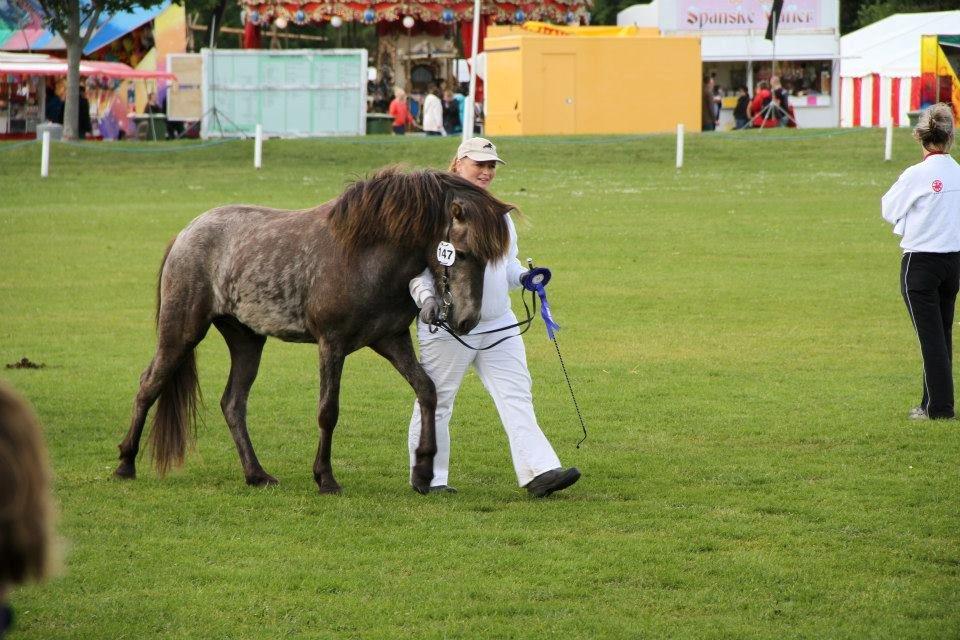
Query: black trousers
[[929, 284]]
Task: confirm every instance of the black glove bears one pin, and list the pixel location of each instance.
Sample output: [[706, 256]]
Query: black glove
[[429, 311]]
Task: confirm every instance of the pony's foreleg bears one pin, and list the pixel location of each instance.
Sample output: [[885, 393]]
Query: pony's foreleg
[[246, 347], [331, 369], [398, 349]]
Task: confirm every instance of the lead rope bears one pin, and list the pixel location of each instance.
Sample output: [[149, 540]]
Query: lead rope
[[576, 405], [441, 323]]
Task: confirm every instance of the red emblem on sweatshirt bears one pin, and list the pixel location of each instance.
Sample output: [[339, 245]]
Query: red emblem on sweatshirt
[[937, 186]]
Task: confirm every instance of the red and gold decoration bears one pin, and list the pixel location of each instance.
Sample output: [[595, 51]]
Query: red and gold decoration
[[260, 12], [417, 41]]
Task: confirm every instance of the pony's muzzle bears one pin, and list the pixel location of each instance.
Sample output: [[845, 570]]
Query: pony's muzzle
[[467, 324]]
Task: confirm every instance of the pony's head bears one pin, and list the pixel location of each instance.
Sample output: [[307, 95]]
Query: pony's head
[[418, 210], [476, 234]]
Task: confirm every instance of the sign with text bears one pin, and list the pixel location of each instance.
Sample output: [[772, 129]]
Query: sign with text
[[292, 93], [745, 15]]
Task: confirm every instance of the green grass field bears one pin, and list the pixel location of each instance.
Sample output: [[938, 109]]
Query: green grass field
[[738, 345]]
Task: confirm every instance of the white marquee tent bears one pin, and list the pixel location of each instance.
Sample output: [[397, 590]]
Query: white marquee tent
[[880, 67]]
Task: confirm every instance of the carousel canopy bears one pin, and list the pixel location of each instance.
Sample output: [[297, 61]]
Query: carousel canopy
[[449, 12]]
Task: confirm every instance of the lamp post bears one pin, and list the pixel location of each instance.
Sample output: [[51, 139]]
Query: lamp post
[[408, 23], [468, 111], [336, 22]]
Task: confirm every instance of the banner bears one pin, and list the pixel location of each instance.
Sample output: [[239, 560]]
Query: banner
[[745, 15], [939, 64]]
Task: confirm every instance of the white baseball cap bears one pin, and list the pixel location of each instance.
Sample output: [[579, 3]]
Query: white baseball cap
[[478, 150]]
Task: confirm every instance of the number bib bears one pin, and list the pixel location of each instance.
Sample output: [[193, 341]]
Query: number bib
[[446, 254]]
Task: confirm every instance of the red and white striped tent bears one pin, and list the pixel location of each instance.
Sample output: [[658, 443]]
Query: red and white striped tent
[[880, 67]]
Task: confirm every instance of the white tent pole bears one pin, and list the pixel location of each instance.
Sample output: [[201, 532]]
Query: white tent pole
[[888, 146], [45, 154], [258, 147], [679, 145], [468, 111]]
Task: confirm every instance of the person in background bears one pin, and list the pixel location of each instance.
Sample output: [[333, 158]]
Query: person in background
[[461, 98], [923, 208], [85, 126], [398, 109], [762, 116], [717, 102], [782, 99], [433, 112], [53, 109], [451, 113], [502, 368], [708, 120], [740, 116], [26, 508], [152, 105]]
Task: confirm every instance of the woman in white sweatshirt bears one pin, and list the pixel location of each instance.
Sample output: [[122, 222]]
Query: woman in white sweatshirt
[[924, 208], [502, 369], [433, 113]]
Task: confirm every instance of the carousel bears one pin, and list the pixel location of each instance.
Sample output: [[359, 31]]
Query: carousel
[[417, 41]]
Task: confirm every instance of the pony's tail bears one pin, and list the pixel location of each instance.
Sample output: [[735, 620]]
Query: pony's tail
[[176, 415]]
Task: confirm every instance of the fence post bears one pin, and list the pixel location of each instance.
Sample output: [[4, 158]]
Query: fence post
[[888, 147], [679, 145], [45, 155], [258, 148]]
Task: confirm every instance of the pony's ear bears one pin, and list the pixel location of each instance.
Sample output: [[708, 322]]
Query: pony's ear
[[456, 211]]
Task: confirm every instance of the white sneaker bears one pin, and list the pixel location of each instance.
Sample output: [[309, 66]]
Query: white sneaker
[[918, 413]]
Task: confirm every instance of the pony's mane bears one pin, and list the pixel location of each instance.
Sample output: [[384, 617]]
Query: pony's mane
[[409, 209]]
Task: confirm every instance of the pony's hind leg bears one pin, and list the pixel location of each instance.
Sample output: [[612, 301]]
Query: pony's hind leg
[[331, 369], [246, 347], [172, 355], [172, 378], [150, 385]]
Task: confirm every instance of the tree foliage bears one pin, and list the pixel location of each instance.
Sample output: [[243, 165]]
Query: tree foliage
[[856, 14], [58, 14], [605, 11]]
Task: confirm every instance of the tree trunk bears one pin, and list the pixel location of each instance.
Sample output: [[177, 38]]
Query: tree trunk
[[71, 108]]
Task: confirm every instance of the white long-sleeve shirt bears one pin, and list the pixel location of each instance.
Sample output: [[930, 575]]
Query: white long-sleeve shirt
[[924, 205], [432, 113], [499, 278]]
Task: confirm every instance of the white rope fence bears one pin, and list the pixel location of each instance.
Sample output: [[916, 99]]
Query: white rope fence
[[45, 141]]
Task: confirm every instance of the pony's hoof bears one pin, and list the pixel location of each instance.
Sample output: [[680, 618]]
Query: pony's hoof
[[331, 488], [126, 471], [422, 489], [262, 480], [421, 478]]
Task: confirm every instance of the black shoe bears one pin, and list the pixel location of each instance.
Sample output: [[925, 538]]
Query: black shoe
[[553, 480], [442, 488]]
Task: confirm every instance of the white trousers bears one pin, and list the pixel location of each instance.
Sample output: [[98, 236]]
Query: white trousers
[[503, 371]]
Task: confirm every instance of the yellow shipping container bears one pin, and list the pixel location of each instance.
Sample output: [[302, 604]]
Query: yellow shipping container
[[554, 84]]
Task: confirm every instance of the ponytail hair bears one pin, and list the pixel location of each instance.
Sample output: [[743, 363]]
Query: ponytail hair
[[935, 128], [27, 550]]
